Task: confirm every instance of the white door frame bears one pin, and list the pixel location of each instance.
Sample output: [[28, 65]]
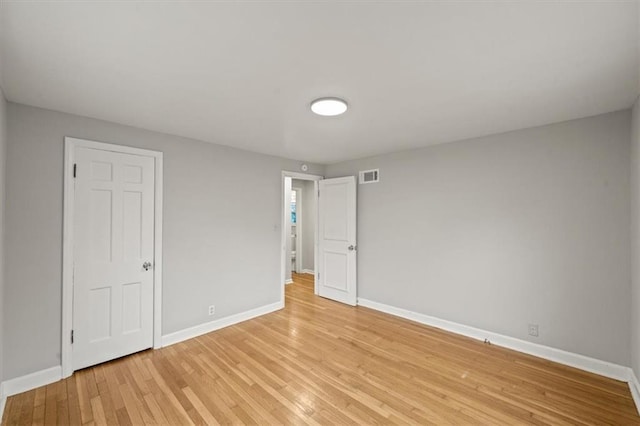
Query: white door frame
[[298, 228], [283, 225], [70, 146]]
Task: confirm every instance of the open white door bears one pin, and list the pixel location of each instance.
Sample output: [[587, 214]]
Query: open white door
[[113, 291], [337, 240]]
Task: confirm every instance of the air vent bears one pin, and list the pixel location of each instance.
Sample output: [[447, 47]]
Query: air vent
[[370, 176]]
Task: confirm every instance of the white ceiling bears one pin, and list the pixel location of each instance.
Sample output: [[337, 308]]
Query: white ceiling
[[243, 73]]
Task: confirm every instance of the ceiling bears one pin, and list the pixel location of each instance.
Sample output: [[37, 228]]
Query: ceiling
[[244, 73]]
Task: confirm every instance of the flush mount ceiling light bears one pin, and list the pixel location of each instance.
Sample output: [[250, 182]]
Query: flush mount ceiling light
[[329, 106]]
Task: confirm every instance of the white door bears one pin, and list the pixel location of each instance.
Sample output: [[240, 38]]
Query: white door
[[113, 271], [337, 242]]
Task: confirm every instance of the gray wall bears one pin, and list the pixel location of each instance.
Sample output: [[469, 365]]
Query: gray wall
[[309, 225], [635, 239], [213, 226], [530, 226], [3, 148], [495, 232]]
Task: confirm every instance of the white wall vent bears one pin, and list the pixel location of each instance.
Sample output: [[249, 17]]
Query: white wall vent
[[370, 176]]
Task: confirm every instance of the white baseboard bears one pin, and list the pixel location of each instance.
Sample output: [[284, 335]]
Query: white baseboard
[[289, 281], [3, 401], [308, 271], [28, 382], [603, 368], [208, 327], [634, 387]]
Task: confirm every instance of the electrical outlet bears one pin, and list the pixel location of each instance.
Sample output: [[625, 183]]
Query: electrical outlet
[[212, 310], [533, 330]]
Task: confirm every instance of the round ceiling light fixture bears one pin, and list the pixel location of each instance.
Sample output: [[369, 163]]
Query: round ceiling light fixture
[[329, 107]]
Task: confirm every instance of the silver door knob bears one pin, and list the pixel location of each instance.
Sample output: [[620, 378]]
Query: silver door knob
[[351, 248], [146, 266]]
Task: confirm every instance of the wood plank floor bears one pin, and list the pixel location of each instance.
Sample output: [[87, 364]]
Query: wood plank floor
[[320, 362]]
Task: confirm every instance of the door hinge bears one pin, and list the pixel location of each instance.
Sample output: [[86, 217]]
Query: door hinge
[[72, 337], [75, 169]]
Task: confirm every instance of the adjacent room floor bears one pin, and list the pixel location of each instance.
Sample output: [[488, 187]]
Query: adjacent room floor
[[321, 362]]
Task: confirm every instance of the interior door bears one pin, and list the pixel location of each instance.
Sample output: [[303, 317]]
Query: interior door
[[113, 251], [337, 242]]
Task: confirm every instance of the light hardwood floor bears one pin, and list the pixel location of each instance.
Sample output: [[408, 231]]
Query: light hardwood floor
[[320, 362]]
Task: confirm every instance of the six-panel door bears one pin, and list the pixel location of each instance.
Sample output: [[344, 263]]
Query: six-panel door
[[113, 234]]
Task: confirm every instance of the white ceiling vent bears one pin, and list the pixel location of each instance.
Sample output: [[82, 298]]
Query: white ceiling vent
[[370, 176]]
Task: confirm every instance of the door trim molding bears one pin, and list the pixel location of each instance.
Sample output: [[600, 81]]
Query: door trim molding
[[283, 225], [70, 146]]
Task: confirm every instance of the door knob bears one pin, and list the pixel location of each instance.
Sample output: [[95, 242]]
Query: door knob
[[352, 247], [146, 266]]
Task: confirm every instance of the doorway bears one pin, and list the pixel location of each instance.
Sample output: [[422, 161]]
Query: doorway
[[299, 228], [301, 232], [112, 252], [334, 255]]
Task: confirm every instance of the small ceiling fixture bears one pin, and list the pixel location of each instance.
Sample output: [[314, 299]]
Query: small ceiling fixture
[[329, 106]]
